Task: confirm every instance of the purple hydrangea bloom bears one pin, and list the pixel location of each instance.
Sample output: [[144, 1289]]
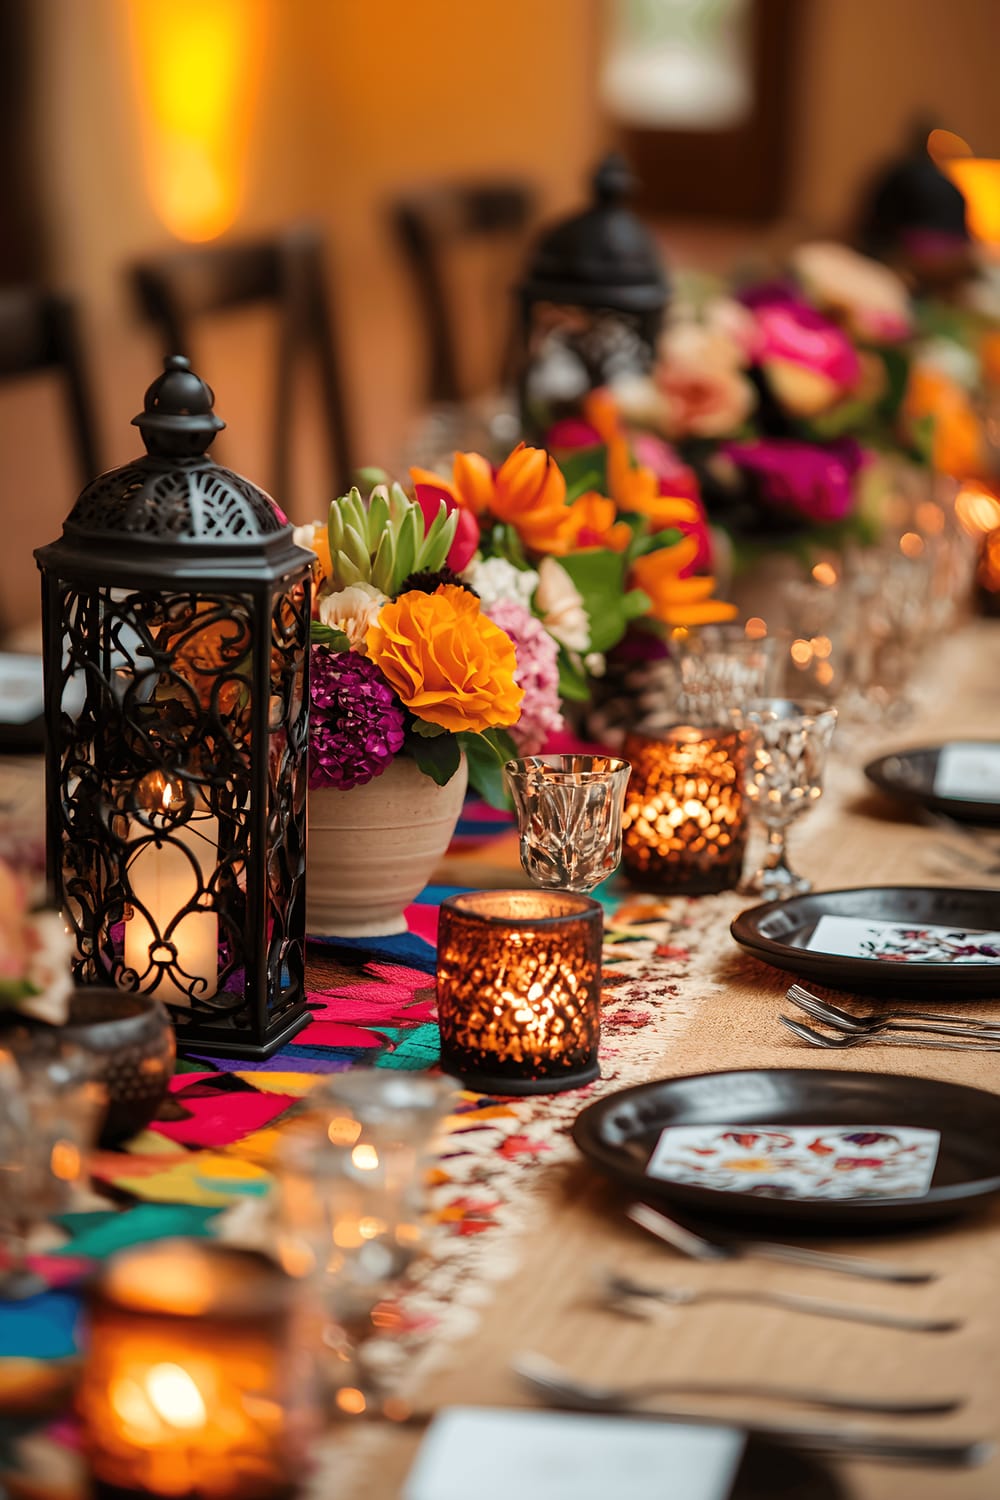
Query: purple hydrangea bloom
[[356, 721]]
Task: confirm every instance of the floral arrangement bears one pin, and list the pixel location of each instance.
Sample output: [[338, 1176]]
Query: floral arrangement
[[576, 544], [404, 660], [35, 950], [779, 394], [459, 620]]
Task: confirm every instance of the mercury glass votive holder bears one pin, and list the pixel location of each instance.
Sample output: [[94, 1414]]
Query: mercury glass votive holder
[[194, 1382], [685, 825], [569, 816], [519, 990]]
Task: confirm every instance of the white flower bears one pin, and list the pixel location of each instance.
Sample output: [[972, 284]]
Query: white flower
[[951, 359], [872, 297], [560, 604], [352, 610], [595, 663], [50, 951], [304, 536], [496, 579]]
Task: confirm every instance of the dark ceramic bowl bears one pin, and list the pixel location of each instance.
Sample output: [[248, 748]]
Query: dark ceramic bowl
[[132, 1042]]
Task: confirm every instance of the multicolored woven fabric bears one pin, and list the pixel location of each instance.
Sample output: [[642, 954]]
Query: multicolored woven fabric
[[210, 1150]]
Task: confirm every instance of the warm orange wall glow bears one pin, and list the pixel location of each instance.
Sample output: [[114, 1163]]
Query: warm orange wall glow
[[197, 73]]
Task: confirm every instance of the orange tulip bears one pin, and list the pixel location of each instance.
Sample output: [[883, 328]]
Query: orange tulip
[[531, 496], [677, 600], [471, 485]]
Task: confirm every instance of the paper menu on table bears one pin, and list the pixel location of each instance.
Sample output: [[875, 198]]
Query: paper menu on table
[[492, 1454], [901, 942], [799, 1161], [969, 770]]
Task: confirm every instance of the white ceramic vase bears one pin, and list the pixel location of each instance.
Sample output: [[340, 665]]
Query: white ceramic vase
[[372, 850]]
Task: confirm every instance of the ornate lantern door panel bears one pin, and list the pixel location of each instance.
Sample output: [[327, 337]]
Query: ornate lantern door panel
[[176, 651]]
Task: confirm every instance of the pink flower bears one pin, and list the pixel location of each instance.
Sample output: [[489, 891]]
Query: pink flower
[[815, 481], [791, 332], [571, 433], [466, 543], [700, 377], [868, 296], [537, 672]]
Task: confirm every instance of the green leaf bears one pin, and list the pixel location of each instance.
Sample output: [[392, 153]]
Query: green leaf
[[426, 730], [644, 542], [505, 542], [600, 578], [438, 758], [357, 550], [635, 604], [573, 683], [347, 572], [326, 635], [370, 476], [407, 543], [378, 516], [486, 754], [384, 567], [586, 469]]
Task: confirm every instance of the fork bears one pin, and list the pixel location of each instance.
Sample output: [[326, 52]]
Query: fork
[[540, 1372], [890, 1020], [861, 1039], [556, 1388], [621, 1292], [698, 1248]]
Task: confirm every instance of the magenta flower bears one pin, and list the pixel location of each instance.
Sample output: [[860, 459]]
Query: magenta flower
[[463, 548], [356, 722], [791, 330], [537, 673], [815, 481]]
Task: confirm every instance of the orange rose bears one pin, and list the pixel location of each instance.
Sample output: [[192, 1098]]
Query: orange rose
[[447, 662], [677, 600]]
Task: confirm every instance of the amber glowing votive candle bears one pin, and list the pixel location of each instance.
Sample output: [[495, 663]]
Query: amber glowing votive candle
[[685, 823], [190, 1386], [519, 990]]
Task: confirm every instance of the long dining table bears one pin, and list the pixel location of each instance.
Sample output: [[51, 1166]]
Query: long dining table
[[520, 1226], [534, 1283]]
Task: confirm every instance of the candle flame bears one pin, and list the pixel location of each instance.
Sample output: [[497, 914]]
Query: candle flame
[[978, 510], [175, 1397], [365, 1158]]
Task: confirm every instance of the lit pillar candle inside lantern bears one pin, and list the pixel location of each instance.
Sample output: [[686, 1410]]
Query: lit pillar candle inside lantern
[[173, 958], [189, 1384], [519, 989], [685, 820]]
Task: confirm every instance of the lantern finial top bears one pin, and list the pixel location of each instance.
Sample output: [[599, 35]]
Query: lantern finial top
[[612, 181], [177, 419]]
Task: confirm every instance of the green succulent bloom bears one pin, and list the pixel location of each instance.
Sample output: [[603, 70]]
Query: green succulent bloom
[[383, 539]]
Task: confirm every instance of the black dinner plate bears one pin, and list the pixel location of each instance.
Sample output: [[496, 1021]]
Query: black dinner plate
[[770, 1472], [777, 933], [908, 776], [617, 1134]]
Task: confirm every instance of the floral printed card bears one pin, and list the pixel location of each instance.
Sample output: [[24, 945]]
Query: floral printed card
[[970, 770], [799, 1161], [855, 937]]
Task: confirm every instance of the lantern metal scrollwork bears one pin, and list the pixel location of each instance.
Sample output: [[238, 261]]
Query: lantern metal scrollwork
[[592, 303], [176, 625]]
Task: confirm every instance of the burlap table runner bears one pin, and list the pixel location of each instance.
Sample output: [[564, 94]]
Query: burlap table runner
[[549, 1304]]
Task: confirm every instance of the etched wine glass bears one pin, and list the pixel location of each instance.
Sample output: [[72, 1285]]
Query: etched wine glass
[[569, 816], [786, 757], [720, 666]]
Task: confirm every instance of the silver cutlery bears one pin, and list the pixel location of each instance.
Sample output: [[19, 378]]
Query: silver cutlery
[[699, 1248], [623, 1293], [910, 1039], [558, 1389], [890, 1020]]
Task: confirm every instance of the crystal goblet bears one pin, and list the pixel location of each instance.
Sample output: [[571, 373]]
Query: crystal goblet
[[786, 759], [351, 1217], [720, 668], [569, 815]]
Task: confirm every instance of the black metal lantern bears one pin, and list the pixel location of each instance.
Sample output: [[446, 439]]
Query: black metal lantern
[[592, 302], [176, 626]]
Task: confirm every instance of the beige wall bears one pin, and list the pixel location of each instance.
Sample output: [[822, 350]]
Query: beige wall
[[359, 96]]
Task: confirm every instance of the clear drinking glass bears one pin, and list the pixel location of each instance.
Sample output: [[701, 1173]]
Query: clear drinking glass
[[720, 667], [569, 816], [352, 1182], [50, 1111], [786, 758]]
